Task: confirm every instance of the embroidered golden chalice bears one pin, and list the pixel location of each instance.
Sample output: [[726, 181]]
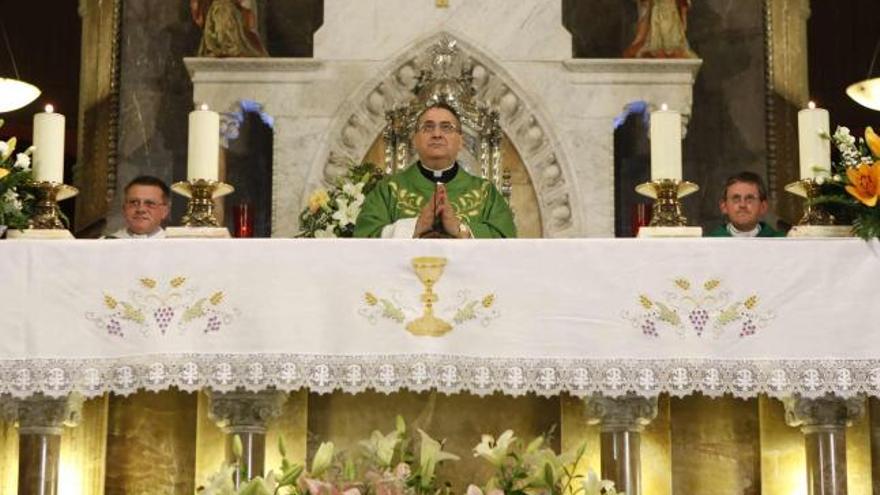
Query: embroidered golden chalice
[[429, 269]]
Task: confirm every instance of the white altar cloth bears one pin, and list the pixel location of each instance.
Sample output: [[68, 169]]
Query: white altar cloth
[[777, 316]]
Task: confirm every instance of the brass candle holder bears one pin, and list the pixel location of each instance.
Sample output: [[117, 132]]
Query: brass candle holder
[[46, 214], [814, 215], [201, 194], [429, 269], [667, 194]]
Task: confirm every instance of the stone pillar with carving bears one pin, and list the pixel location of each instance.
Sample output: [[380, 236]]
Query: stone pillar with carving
[[40, 422], [621, 421], [246, 415], [823, 421]]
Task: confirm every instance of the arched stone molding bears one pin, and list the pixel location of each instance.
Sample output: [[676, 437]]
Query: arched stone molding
[[361, 118]]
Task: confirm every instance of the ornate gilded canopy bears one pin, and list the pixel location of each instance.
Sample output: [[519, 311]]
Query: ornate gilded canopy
[[445, 75]]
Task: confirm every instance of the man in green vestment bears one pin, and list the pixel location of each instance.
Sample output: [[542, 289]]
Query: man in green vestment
[[435, 197], [744, 203]]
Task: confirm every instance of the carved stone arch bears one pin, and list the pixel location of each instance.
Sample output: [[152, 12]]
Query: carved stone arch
[[361, 118]]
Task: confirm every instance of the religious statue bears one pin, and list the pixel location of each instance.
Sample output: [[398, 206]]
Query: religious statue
[[661, 30], [229, 28]]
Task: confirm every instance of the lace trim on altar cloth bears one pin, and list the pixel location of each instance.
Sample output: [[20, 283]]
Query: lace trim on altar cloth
[[447, 374]]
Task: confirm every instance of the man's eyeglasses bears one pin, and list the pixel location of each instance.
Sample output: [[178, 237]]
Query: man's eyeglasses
[[146, 203], [747, 199], [430, 127]]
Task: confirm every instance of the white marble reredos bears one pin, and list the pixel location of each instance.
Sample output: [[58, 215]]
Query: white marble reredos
[[557, 111], [381, 29]]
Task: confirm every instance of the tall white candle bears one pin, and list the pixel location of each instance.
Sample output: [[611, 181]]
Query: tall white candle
[[815, 150], [203, 159], [49, 146], [665, 144]]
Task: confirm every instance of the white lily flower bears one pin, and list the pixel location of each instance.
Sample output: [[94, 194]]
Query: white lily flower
[[220, 483], [23, 161], [3, 148], [352, 189], [11, 198], [592, 485], [430, 455], [322, 460], [382, 446], [492, 450], [347, 212]]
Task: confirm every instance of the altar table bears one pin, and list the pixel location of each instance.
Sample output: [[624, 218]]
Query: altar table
[[582, 316]]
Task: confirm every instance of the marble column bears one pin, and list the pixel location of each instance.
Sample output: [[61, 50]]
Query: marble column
[[245, 414], [823, 421], [40, 421], [621, 421]]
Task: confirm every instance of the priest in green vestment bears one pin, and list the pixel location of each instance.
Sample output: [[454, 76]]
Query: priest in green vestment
[[744, 203], [435, 197]]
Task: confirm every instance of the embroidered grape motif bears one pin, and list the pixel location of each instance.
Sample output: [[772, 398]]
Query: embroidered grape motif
[[649, 327], [213, 324], [114, 327], [698, 318], [163, 317], [748, 328]]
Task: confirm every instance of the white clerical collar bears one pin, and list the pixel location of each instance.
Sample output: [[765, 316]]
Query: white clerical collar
[[445, 175], [439, 173], [743, 233]]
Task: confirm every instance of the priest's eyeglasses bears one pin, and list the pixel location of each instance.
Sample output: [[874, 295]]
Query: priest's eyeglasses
[[430, 127], [146, 203], [747, 199]]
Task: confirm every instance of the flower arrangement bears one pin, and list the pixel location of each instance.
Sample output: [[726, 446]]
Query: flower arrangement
[[332, 212], [16, 197], [854, 185], [387, 464], [534, 468]]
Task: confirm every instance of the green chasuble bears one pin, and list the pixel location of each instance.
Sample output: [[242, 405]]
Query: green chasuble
[[766, 231], [476, 201]]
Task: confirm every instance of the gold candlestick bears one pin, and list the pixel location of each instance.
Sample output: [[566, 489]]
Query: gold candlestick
[[201, 194], [809, 189], [667, 194], [429, 269], [46, 214]]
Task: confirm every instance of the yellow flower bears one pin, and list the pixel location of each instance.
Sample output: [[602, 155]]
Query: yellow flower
[[873, 141], [864, 182], [8, 150], [3, 172], [319, 199]]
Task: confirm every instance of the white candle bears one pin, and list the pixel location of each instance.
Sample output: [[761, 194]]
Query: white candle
[[815, 150], [204, 144], [665, 144], [49, 146]]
